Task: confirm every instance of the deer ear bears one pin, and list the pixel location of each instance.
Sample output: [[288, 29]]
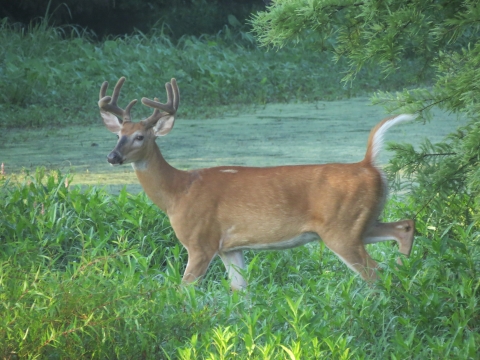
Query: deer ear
[[163, 126], [111, 122]]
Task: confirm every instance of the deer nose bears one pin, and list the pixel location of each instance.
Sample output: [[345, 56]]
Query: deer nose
[[114, 158]]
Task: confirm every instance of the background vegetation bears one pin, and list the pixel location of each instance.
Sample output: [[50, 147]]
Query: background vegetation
[[51, 75], [86, 274], [119, 17]]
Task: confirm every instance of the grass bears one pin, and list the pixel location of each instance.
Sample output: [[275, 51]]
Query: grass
[[277, 134], [51, 75], [84, 274]]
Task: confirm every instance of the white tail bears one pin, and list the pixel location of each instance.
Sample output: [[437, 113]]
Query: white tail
[[375, 142], [224, 210]]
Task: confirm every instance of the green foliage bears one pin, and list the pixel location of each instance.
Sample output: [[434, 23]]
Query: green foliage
[[441, 37], [84, 274], [51, 75], [443, 176], [386, 34]]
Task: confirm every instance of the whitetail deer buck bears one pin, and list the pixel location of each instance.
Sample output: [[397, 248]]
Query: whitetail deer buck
[[225, 210]]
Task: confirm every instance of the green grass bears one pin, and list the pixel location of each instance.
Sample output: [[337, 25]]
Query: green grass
[[51, 76], [84, 274]]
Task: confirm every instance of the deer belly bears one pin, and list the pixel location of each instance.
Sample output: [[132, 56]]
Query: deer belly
[[299, 240]]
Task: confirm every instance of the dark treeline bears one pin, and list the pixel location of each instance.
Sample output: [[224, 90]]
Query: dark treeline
[[119, 17]]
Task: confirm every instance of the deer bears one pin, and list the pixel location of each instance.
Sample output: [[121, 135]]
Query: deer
[[228, 209]]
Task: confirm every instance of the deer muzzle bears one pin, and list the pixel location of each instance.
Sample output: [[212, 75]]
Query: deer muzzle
[[115, 158]]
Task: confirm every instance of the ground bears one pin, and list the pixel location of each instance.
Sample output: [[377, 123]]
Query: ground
[[277, 134]]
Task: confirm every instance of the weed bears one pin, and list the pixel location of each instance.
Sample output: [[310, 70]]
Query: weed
[[50, 76], [87, 274]]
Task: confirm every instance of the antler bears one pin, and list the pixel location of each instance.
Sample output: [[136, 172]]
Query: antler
[[109, 103], [173, 99]]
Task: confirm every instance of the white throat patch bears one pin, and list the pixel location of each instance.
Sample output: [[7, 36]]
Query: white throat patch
[[139, 166]]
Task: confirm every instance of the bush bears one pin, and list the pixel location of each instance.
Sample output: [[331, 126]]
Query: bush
[[85, 274]]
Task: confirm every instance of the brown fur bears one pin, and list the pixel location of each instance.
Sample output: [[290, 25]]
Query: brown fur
[[224, 210]]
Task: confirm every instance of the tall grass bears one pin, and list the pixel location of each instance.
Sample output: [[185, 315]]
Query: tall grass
[[51, 75], [84, 274]]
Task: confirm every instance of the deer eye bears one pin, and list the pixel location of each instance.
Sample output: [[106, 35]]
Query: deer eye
[[139, 138]]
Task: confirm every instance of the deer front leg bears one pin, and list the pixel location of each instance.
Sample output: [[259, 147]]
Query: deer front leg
[[198, 262], [400, 231], [234, 261]]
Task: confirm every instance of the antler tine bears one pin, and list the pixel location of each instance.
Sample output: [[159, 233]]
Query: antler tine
[[176, 92], [152, 119], [116, 89], [172, 99], [127, 116], [103, 90], [109, 103]]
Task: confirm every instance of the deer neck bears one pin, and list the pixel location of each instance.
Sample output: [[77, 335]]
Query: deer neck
[[160, 181]]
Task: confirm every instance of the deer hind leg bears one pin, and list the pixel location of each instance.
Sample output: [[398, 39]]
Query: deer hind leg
[[400, 231], [198, 262], [234, 262], [357, 259]]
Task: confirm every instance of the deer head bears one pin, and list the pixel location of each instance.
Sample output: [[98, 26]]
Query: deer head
[[135, 140]]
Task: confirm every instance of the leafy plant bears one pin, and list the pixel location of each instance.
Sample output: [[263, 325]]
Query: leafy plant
[[51, 75], [87, 274]]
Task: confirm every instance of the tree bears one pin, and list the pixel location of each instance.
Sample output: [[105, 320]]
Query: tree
[[439, 41]]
